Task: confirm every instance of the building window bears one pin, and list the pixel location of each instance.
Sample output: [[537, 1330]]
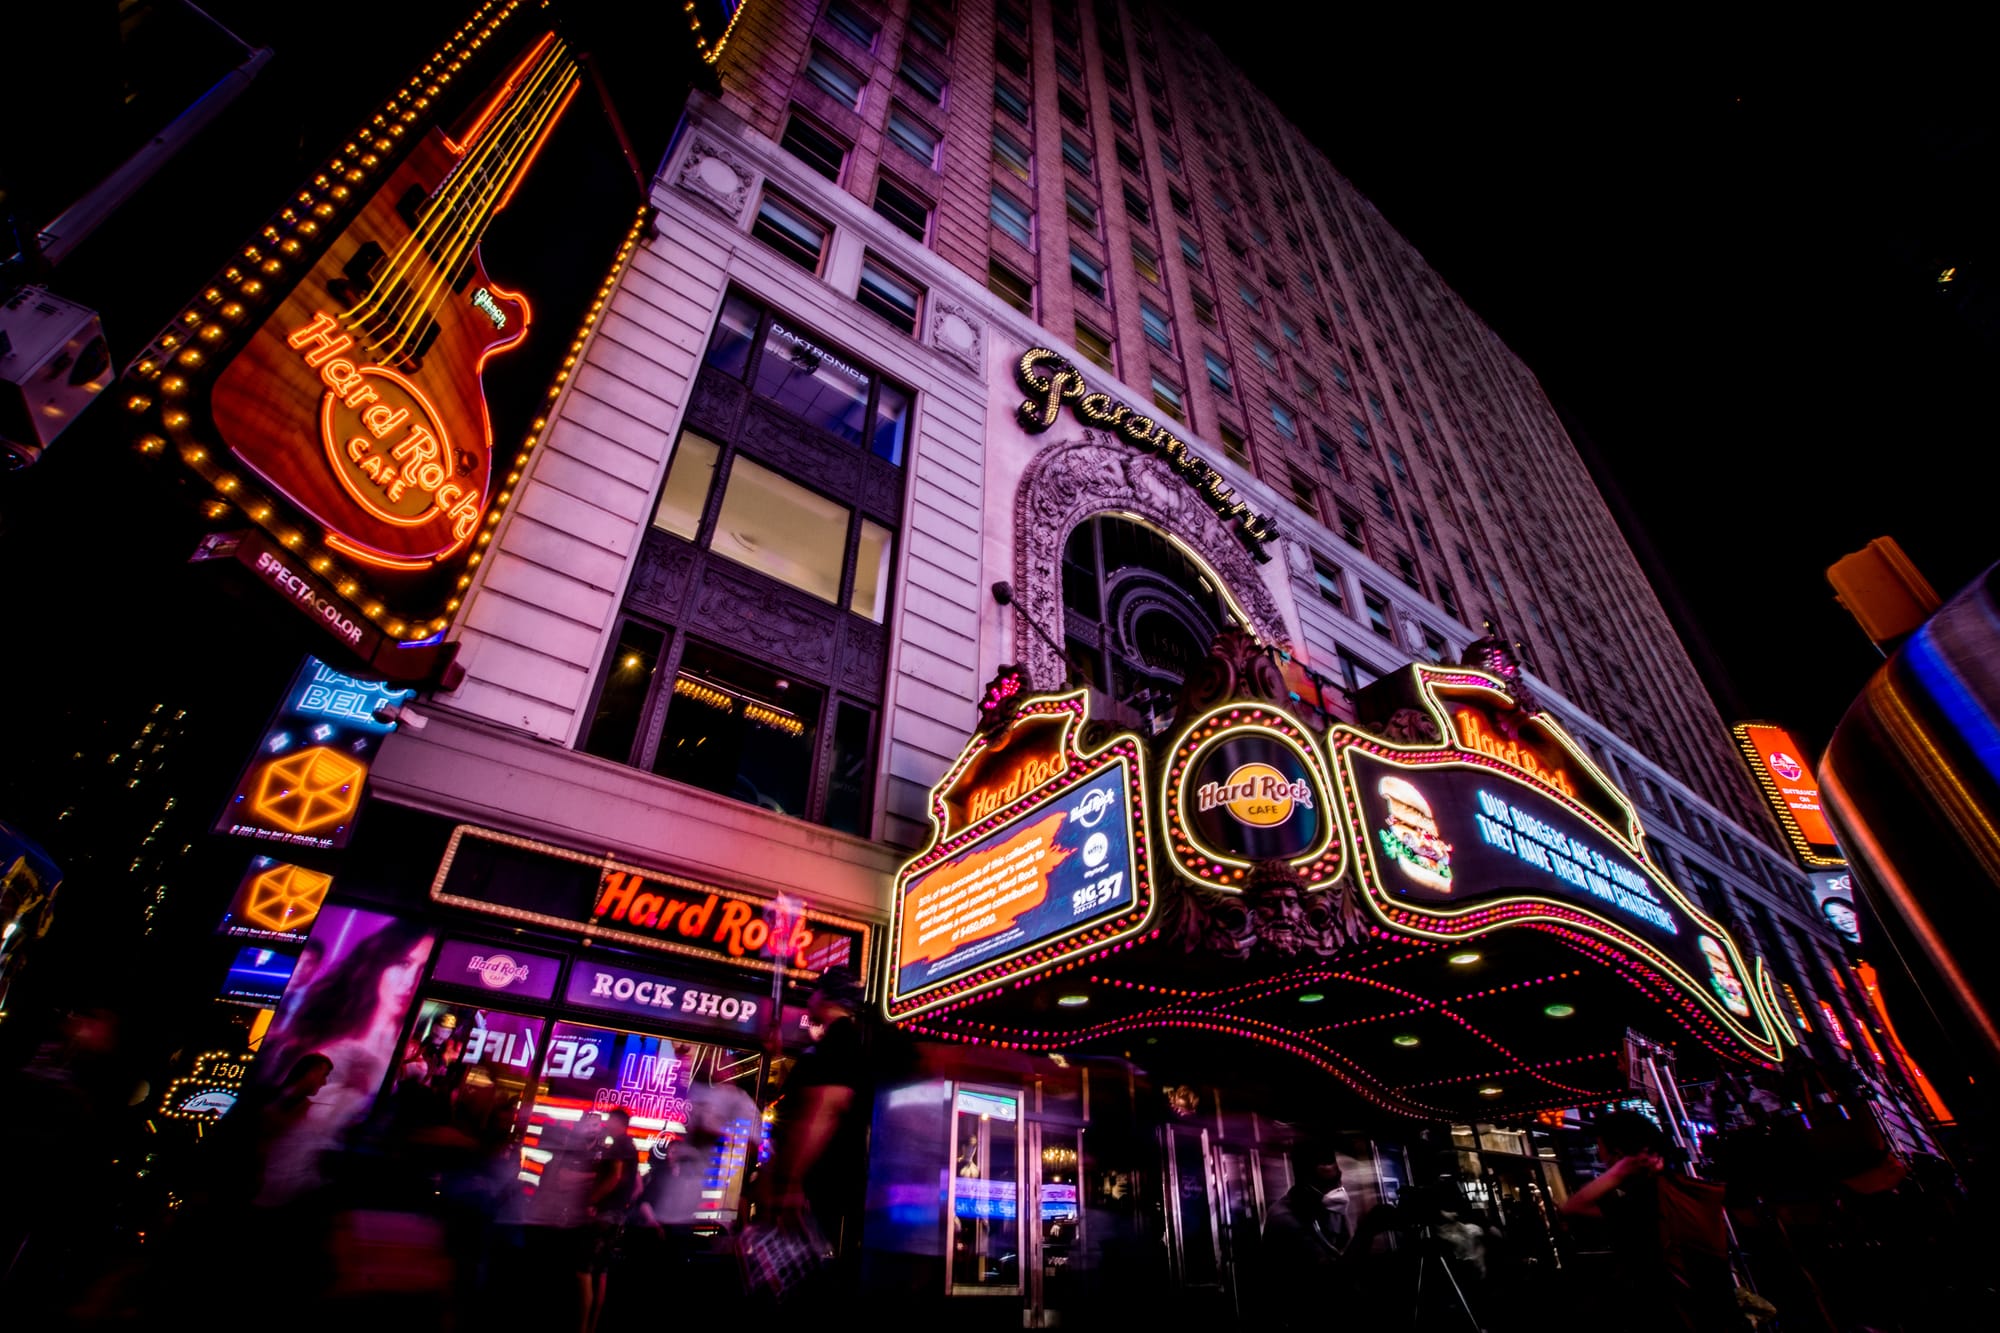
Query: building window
[[1162, 121], [1328, 454], [928, 83], [910, 214], [1094, 346], [931, 28], [1190, 251], [833, 77], [1406, 567], [1071, 109], [1007, 99], [1356, 672], [1305, 495], [1222, 203], [1233, 442], [1218, 373], [1128, 158], [1331, 586], [890, 295], [1308, 389], [1423, 530], [1011, 216], [1359, 430], [1448, 600], [1010, 57], [1204, 306], [1136, 205], [1396, 464], [1146, 262], [1250, 296], [1008, 153], [1378, 613], [1281, 417], [1350, 528], [1375, 407], [1086, 274], [1010, 287], [1182, 205], [1167, 397], [792, 232], [1121, 116], [1465, 562], [1384, 501], [1159, 329], [913, 136], [1435, 647], [1340, 378], [1067, 67], [1076, 155], [1082, 210], [851, 22], [1264, 354], [1291, 333], [1170, 160], [1340, 313], [814, 147], [1013, 18]]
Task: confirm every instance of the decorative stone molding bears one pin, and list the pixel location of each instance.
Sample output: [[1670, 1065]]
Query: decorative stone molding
[[958, 333], [717, 177], [1094, 473]]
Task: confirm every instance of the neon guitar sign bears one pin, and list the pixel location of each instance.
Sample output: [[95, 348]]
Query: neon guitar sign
[[359, 398]]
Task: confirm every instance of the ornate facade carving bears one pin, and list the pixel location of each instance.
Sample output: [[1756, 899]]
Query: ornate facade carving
[[833, 465], [958, 333], [666, 567], [1237, 667], [717, 177], [1093, 473], [714, 403], [778, 622]]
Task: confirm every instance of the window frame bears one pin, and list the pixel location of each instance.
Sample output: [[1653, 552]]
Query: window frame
[[782, 202], [898, 111], [819, 78], [882, 269]]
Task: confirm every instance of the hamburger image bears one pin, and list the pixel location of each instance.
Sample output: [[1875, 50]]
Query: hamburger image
[[1410, 837]]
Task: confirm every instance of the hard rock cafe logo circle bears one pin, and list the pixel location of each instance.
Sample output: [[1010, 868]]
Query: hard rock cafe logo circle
[[1257, 794], [388, 446], [1786, 767], [498, 970]]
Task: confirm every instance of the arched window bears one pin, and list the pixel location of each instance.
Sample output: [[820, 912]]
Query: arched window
[[1138, 615]]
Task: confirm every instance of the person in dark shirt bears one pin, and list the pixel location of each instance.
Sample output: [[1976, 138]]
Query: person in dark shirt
[[1309, 1256], [819, 1155]]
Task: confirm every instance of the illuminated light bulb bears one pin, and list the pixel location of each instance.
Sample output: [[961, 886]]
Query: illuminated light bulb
[[1465, 959], [1311, 997], [1490, 1090]]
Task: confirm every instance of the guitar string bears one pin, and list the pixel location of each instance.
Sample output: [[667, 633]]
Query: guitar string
[[445, 205], [435, 211], [467, 232]]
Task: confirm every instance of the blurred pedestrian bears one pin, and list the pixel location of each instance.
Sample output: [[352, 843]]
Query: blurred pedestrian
[[613, 1189], [819, 1154]]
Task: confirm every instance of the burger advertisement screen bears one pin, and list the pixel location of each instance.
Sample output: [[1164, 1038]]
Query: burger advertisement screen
[[1781, 770], [1246, 784]]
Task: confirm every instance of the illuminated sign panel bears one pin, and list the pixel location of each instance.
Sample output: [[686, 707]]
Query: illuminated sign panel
[[275, 901], [1780, 767], [305, 783], [493, 968], [1834, 893], [1051, 380], [1055, 866], [328, 383], [1246, 784], [259, 975], [1451, 840], [619, 989], [535, 882]]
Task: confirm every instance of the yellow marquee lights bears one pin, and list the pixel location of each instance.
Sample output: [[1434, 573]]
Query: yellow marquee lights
[[1211, 729]]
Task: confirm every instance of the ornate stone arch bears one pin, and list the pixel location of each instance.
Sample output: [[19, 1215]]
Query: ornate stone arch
[[1094, 473]]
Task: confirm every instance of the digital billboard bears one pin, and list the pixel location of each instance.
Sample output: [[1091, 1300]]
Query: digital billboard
[[303, 786], [1038, 852], [258, 975], [276, 900], [1779, 765], [1833, 892]]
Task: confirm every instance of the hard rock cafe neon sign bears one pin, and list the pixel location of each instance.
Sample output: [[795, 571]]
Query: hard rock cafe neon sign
[[1473, 734], [1051, 380]]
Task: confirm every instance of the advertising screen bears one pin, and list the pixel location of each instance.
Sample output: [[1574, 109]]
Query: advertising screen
[[1052, 870], [1781, 769], [258, 975], [1834, 893], [1450, 838], [303, 786], [276, 900]]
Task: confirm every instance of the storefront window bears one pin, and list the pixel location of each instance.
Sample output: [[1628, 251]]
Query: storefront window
[[812, 383], [729, 348], [686, 491], [985, 1192], [472, 1069], [870, 597], [622, 702], [741, 730], [892, 422], [850, 782]]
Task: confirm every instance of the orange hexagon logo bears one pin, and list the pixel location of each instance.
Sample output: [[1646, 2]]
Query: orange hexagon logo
[[309, 790], [285, 897]]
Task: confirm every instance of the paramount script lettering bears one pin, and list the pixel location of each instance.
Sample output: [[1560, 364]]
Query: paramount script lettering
[[384, 439], [1570, 860], [1054, 381], [1262, 788], [295, 587]]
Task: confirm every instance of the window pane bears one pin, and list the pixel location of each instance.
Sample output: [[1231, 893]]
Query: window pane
[[804, 378], [1010, 101], [1157, 327], [909, 213], [871, 572], [1009, 153], [782, 529], [686, 493], [818, 150], [1010, 216], [1094, 345], [1167, 398], [1087, 273], [1330, 587], [791, 233], [889, 296], [1076, 154], [923, 78], [1081, 210], [740, 730], [916, 138], [892, 422], [628, 675], [834, 79], [729, 345], [851, 781], [1010, 287], [1146, 262], [852, 22]]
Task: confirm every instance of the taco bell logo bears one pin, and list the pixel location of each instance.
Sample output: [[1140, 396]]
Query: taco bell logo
[[1090, 810], [499, 971]]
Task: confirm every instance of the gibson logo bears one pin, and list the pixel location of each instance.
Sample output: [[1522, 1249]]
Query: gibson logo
[[498, 971], [1053, 381], [1473, 735], [1030, 775], [385, 440], [1256, 794]]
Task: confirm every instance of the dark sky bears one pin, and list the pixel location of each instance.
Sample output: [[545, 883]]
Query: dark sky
[[1718, 247]]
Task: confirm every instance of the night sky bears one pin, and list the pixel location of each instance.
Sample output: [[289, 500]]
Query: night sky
[[1718, 246]]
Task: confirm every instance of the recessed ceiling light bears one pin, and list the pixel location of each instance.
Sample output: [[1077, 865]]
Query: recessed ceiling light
[[1489, 1090], [1558, 1010], [1465, 959], [1311, 997], [1405, 1039], [1072, 1001]]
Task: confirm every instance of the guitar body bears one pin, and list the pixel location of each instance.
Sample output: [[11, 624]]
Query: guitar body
[[378, 430]]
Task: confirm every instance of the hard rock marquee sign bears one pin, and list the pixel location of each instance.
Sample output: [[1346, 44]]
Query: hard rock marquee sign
[[1462, 811], [1051, 380]]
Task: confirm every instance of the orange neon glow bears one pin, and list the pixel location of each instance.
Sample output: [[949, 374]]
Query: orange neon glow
[[312, 789], [1474, 736], [1916, 1076], [370, 555], [527, 315], [286, 897], [519, 72], [536, 151]]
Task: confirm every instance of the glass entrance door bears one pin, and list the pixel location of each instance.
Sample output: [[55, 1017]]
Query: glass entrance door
[[985, 1194], [1055, 1163], [1191, 1209]]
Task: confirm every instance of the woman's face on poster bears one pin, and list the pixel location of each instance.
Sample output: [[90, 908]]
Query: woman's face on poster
[[399, 979]]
